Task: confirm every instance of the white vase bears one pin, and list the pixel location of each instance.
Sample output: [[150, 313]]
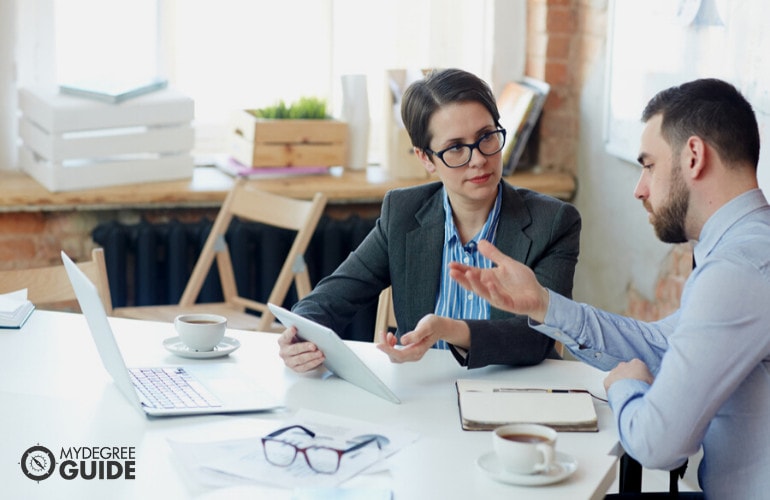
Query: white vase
[[355, 111]]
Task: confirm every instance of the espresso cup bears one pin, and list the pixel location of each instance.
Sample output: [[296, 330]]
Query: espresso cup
[[525, 448], [200, 332]]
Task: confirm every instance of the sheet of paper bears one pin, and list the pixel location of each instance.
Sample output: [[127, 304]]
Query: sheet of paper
[[240, 461]]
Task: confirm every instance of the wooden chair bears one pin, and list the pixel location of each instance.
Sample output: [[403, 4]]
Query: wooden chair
[[49, 287], [385, 318], [246, 203]]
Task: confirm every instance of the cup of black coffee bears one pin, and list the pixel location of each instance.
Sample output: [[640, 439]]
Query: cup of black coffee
[[200, 332], [525, 448]]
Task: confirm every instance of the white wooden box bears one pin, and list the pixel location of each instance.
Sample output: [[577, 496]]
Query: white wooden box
[[71, 143]]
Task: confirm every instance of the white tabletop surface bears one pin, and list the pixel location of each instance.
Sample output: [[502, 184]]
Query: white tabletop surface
[[55, 392]]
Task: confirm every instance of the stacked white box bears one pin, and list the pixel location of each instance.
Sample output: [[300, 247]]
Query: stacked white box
[[71, 143]]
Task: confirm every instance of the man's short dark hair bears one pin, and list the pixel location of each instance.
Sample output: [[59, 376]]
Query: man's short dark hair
[[713, 110]]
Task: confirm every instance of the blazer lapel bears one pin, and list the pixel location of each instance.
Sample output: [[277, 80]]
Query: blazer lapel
[[424, 245]]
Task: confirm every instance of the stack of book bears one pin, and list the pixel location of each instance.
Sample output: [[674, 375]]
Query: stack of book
[[520, 105]]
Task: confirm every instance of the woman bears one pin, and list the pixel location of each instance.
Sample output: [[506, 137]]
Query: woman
[[453, 122]]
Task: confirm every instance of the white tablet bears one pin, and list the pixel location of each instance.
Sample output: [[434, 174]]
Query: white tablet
[[340, 359]]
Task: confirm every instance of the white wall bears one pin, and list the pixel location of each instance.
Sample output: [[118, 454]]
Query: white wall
[[618, 245]]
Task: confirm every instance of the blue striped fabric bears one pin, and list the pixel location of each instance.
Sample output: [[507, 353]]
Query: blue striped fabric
[[454, 301]]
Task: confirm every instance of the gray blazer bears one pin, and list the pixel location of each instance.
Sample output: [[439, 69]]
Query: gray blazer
[[404, 250]]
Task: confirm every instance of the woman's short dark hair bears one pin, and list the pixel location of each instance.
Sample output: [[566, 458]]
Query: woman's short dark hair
[[440, 87], [713, 110]]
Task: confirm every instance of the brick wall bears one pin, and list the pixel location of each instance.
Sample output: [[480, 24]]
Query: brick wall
[[35, 239], [668, 287], [564, 39]]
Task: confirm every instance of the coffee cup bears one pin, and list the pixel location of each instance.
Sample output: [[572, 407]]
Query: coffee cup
[[525, 448], [200, 332]]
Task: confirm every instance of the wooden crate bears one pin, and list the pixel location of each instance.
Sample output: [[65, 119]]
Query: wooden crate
[[71, 143], [258, 142]]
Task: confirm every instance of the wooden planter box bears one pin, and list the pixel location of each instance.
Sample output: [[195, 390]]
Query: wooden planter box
[[258, 142]]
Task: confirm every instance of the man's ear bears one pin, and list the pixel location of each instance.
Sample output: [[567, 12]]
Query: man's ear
[[426, 159], [696, 153]]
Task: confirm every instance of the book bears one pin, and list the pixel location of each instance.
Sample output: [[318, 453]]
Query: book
[[237, 169], [15, 309], [112, 92], [486, 404], [520, 105]]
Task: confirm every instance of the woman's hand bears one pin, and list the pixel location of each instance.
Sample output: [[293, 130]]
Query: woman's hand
[[297, 354], [429, 330]]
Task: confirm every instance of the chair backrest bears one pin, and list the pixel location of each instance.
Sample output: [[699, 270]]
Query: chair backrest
[[248, 203], [50, 286], [386, 317]]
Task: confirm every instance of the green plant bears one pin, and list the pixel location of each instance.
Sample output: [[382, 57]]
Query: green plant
[[306, 108]]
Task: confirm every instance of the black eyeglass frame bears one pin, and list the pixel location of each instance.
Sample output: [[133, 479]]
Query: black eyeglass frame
[[303, 451], [471, 147]]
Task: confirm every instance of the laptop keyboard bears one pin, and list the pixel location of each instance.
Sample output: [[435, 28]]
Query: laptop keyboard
[[171, 388]]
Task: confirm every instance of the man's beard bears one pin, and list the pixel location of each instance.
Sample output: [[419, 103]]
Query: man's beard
[[669, 220]]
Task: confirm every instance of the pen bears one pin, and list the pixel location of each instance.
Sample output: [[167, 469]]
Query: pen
[[554, 391]]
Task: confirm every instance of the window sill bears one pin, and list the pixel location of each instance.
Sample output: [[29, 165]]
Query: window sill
[[209, 186]]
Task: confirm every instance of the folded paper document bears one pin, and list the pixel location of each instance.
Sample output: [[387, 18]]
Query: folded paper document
[[486, 404]]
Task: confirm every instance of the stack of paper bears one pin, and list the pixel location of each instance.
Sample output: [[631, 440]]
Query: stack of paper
[[15, 309], [486, 404]]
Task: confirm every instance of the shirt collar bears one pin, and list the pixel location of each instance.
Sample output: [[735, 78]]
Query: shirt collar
[[724, 218], [487, 232]]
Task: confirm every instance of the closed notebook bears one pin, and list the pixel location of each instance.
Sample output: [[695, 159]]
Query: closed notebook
[[486, 404]]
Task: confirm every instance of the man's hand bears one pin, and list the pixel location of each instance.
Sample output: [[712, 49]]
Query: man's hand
[[634, 369], [298, 355], [510, 285]]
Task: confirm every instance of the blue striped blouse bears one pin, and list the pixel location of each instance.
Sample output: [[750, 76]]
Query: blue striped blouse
[[454, 301]]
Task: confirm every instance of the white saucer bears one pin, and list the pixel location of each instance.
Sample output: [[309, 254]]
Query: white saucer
[[564, 467], [225, 347]]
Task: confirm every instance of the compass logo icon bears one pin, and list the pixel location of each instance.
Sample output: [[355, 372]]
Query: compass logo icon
[[38, 463]]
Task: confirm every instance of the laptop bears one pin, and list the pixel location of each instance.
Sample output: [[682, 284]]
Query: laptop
[[340, 359], [199, 389]]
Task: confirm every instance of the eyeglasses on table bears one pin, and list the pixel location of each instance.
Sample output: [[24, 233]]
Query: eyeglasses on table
[[320, 459]]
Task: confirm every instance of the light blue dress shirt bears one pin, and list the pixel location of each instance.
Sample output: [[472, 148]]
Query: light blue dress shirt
[[454, 301], [711, 359]]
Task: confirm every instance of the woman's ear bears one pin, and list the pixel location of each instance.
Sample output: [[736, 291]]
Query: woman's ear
[[426, 159]]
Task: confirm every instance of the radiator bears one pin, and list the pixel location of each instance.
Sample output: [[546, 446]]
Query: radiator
[[150, 263]]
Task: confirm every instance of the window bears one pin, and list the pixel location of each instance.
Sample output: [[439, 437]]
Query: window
[[108, 44], [236, 54]]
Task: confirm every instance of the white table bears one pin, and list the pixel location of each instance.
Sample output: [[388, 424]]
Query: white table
[[55, 392]]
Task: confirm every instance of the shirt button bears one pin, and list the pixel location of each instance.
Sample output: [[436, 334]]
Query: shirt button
[[466, 259], [470, 296]]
